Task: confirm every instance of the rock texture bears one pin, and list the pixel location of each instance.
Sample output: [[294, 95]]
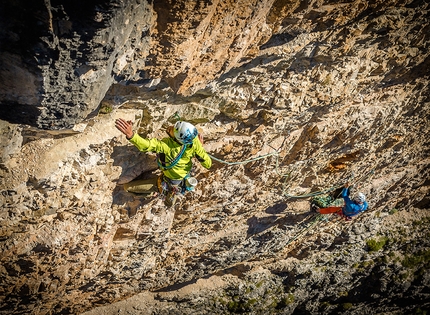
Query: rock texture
[[58, 58], [339, 90], [57, 74]]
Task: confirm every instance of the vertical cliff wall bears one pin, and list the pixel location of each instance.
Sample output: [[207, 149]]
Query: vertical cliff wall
[[339, 89], [58, 58]]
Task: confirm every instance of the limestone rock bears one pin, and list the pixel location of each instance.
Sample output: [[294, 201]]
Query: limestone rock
[[339, 91]]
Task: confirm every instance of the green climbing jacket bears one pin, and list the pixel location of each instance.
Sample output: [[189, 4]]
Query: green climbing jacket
[[169, 149]]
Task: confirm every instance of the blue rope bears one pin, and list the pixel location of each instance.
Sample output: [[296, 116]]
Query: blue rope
[[174, 162]]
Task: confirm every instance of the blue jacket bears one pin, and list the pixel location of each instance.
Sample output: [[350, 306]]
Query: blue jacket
[[351, 208]]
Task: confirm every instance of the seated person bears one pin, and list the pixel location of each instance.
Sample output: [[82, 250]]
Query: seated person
[[350, 208]]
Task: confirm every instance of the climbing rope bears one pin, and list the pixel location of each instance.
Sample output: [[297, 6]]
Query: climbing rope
[[318, 218], [246, 161], [313, 194], [176, 117], [276, 154], [320, 192], [287, 176], [312, 221]]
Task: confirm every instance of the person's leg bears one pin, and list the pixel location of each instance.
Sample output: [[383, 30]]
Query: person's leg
[[339, 202], [142, 186], [330, 210], [170, 198], [174, 190]]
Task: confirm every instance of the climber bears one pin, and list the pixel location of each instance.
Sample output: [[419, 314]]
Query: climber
[[350, 208], [174, 154]]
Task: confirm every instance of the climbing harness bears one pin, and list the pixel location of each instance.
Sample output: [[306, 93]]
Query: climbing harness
[[169, 189]]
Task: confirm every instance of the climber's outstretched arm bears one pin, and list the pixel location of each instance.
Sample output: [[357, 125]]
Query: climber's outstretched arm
[[201, 154]]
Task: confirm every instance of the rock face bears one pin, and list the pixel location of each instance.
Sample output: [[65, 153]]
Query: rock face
[[59, 58], [339, 90]]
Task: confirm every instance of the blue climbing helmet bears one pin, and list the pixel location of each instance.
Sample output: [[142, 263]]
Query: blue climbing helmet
[[184, 132], [360, 198]]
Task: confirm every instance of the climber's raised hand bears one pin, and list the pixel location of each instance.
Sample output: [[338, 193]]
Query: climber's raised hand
[[126, 127]]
